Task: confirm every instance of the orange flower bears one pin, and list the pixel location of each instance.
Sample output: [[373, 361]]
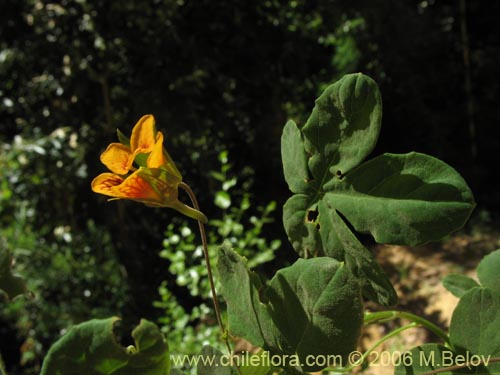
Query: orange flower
[[156, 180]]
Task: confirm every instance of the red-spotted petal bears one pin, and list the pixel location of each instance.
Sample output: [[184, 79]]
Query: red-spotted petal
[[105, 183], [137, 188]]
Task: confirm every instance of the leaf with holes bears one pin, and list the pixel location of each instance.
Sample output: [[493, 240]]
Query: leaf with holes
[[402, 199]]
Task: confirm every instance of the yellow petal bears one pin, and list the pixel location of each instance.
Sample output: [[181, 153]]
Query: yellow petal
[[136, 188], [159, 158], [105, 182], [143, 135], [156, 158], [118, 158]]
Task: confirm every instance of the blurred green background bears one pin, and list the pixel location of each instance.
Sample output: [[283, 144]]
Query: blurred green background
[[221, 77]]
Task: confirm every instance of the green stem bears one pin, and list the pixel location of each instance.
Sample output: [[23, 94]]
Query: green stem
[[203, 235], [385, 316], [365, 355]]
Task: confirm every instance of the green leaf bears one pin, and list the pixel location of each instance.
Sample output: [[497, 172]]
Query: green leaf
[[406, 199], [301, 221], [11, 285], [458, 285], [487, 271], [90, 348], [403, 199], [248, 317], [313, 307], [475, 323], [425, 358], [341, 131], [343, 127], [317, 308], [360, 261], [124, 140], [294, 159]]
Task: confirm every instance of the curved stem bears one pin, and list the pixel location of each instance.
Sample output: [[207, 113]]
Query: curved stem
[[385, 316], [204, 242], [365, 355]]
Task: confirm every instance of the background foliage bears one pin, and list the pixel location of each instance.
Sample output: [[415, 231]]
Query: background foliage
[[219, 76]]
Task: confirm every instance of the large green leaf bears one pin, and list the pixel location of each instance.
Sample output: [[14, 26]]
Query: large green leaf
[[317, 308], [488, 271], [404, 199], [90, 348], [475, 324], [11, 285], [343, 127], [311, 308], [341, 131]]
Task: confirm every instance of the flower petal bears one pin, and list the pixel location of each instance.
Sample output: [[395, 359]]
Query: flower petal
[[159, 158], [156, 158], [137, 188], [105, 182], [143, 135], [118, 158]]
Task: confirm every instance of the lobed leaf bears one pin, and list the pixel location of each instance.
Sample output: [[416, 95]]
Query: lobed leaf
[[90, 348]]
